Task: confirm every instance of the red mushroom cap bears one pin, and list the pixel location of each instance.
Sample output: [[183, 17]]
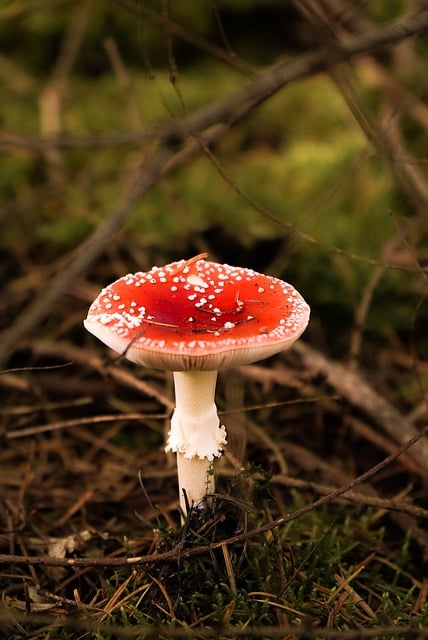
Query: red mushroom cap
[[195, 314]]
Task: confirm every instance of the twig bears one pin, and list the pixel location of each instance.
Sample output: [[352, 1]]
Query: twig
[[155, 631], [67, 424], [381, 134], [271, 80], [91, 359], [178, 31], [51, 98], [352, 496], [124, 79], [359, 393]]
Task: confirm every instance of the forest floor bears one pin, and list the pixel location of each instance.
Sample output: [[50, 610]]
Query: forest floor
[[317, 528]]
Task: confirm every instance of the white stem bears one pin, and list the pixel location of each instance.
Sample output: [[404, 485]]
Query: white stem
[[196, 434], [196, 477]]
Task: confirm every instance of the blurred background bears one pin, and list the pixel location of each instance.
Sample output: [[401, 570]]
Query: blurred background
[[324, 184]]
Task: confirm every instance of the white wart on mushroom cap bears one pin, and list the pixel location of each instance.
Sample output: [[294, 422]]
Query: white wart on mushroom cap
[[197, 315]]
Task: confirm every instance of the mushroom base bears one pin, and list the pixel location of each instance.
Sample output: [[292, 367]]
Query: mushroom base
[[195, 479]]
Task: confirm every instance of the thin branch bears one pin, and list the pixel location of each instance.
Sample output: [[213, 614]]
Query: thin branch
[[271, 80], [178, 31], [82, 623], [358, 392], [401, 506], [9, 140]]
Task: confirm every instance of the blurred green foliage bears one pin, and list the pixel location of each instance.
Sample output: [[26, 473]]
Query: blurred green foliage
[[300, 159]]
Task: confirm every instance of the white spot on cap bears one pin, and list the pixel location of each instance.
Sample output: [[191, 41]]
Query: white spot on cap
[[196, 281]]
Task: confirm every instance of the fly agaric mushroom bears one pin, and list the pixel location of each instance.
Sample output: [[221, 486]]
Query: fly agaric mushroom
[[194, 317]]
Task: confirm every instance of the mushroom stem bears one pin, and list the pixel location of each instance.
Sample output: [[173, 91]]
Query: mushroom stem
[[195, 480], [196, 434]]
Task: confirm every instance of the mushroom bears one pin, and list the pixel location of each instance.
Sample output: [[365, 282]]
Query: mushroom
[[195, 317]]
